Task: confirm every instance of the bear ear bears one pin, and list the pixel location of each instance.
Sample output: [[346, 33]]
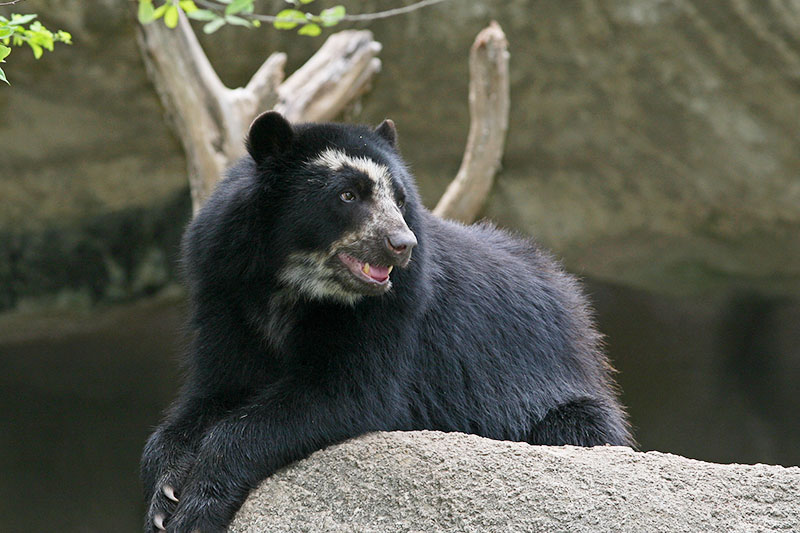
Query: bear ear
[[270, 134], [388, 132]]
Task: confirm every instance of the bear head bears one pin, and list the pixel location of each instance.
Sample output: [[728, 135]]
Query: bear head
[[343, 207]]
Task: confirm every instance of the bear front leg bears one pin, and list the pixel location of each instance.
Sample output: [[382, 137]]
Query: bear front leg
[[169, 456], [165, 464], [246, 447]]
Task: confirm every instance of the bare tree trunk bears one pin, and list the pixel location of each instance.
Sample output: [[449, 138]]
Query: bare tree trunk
[[489, 107], [212, 120]]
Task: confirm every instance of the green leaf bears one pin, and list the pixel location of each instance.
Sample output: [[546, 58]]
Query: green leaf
[[160, 10], [332, 16], [64, 36], [146, 11], [5, 32], [237, 21], [19, 20], [237, 6], [45, 40], [188, 6], [37, 50], [311, 30], [306, 1], [4, 51], [171, 16], [3, 76], [214, 25], [202, 14], [289, 19]]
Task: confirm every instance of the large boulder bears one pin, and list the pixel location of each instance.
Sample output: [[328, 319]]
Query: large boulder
[[450, 482]]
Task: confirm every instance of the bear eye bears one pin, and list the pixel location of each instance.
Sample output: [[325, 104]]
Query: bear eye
[[347, 196], [401, 202]]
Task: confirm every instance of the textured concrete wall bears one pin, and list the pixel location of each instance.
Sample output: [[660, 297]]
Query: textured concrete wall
[[652, 143], [430, 481]]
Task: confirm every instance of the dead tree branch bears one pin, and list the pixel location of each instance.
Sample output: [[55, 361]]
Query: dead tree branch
[[337, 74], [489, 108]]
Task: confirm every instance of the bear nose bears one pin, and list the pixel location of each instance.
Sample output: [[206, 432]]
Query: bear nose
[[401, 242]]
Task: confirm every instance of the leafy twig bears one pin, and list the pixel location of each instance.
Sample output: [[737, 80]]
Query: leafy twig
[[217, 13], [14, 33], [217, 6]]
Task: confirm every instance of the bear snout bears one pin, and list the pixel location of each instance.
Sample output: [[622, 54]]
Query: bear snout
[[399, 244]]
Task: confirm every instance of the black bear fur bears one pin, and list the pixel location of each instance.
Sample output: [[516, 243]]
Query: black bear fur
[[480, 332]]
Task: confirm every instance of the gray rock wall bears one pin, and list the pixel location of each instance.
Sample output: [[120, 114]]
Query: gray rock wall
[[651, 144], [429, 481], [93, 193]]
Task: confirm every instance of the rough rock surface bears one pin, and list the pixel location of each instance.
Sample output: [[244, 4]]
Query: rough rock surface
[[437, 482]]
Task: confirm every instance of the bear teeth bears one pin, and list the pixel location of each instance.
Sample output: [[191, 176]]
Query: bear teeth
[[390, 269], [366, 268]]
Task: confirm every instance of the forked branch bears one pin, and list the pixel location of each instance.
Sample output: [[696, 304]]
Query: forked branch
[[212, 119]]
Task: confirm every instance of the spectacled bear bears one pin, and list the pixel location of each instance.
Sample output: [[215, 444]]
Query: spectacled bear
[[327, 302]]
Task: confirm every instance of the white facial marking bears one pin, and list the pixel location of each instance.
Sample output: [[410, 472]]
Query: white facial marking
[[336, 160], [310, 274]]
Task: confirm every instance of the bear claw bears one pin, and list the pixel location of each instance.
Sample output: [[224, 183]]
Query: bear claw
[[158, 521], [169, 492]]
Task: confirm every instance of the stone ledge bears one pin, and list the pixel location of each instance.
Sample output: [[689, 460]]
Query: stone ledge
[[447, 482]]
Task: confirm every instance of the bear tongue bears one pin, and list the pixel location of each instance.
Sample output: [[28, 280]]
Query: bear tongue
[[378, 273], [375, 273]]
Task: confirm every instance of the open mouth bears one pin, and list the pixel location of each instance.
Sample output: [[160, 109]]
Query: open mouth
[[374, 274]]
